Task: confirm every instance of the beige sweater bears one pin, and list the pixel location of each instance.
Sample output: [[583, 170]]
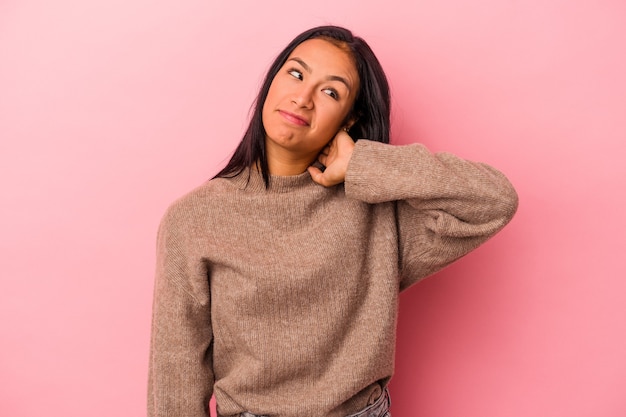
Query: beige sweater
[[283, 301]]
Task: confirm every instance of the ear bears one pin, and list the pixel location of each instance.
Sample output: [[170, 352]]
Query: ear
[[350, 121]]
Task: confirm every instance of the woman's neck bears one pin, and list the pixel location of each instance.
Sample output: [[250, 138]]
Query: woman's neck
[[285, 163]]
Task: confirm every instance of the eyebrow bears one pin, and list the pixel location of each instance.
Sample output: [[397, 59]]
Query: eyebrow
[[330, 77]]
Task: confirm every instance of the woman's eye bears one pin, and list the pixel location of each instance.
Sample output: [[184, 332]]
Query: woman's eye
[[295, 74], [331, 92]]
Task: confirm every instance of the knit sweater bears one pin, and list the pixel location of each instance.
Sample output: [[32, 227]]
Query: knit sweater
[[283, 301]]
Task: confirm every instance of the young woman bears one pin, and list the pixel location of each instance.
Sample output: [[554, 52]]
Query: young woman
[[277, 281]]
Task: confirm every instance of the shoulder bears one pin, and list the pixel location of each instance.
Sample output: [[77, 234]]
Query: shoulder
[[196, 205]]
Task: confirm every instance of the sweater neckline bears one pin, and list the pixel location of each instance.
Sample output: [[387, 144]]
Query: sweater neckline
[[252, 180]]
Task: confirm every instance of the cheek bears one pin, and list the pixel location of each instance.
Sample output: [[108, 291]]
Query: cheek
[[268, 105], [333, 117], [268, 100]]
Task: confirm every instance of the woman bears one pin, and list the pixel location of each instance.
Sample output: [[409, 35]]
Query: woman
[[277, 281]]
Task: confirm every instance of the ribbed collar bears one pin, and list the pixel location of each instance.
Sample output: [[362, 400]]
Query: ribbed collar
[[252, 180]]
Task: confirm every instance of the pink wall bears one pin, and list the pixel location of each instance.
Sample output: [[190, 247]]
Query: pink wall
[[111, 109]]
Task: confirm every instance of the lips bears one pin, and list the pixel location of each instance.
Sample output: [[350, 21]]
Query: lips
[[294, 118]]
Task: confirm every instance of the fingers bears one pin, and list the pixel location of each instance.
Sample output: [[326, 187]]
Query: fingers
[[323, 155], [326, 178], [335, 156], [317, 175], [322, 159]]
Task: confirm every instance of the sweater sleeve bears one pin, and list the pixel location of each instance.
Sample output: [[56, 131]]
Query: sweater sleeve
[[180, 379], [445, 206]]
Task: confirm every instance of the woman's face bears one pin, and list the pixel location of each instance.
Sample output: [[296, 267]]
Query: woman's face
[[309, 100]]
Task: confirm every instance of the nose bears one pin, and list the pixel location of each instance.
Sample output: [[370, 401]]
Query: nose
[[303, 96]]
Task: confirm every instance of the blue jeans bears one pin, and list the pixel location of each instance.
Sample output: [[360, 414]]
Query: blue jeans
[[380, 408]]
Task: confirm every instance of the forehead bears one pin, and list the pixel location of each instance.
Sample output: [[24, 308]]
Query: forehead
[[325, 57]]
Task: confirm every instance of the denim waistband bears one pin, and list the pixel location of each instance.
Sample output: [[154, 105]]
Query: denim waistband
[[380, 408]]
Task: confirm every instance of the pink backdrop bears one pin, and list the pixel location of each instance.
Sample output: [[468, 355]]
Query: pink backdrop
[[109, 110]]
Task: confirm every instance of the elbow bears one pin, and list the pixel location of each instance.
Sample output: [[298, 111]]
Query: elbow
[[505, 203], [503, 196], [509, 202]]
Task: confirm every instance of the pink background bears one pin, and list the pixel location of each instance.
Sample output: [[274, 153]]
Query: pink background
[[109, 110]]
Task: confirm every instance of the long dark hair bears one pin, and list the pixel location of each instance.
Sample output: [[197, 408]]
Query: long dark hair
[[371, 107]]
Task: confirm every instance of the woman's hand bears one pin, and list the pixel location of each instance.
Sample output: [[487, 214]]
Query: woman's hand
[[335, 157]]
